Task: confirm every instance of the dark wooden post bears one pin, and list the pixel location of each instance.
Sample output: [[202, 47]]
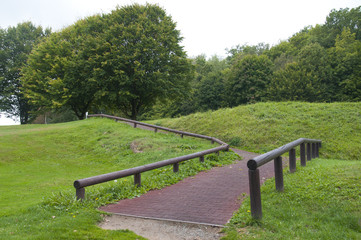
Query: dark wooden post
[[201, 158], [135, 125], [317, 150], [278, 173], [80, 193], [308, 151], [255, 193], [313, 150], [155, 130], [181, 135], [292, 156], [175, 167], [137, 179], [303, 154]]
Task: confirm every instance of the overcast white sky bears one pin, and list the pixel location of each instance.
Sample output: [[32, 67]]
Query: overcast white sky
[[208, 26]]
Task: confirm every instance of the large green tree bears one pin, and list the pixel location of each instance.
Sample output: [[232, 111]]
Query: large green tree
[[144, 61], [210, 87], [248, 79], [61, 71], [293, 83], [125, 60], [15, 45], [346, 62]]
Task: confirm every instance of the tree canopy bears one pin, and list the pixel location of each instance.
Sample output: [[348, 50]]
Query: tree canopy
[[15, 45], [131, 61], [125, 60], [317, 64]]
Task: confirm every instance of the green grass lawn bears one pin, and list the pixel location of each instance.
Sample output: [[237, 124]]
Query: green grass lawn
[[39, 163], [320, 201], [262, 127]]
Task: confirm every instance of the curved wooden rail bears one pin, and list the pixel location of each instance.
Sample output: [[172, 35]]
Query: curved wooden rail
[[136, 171]]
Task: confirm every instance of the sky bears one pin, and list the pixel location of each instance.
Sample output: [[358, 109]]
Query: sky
[[207, 26]]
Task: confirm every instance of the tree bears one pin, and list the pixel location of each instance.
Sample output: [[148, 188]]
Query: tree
[[244, 50], [60, 72], [144, 61], [125, 60], [337, 21], [248, 79], [314, 60], [15, 45], [346, 61], [293, 83], [209, 92]]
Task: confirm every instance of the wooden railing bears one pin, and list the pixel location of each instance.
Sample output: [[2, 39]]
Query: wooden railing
[[312, 151], [136, 171]]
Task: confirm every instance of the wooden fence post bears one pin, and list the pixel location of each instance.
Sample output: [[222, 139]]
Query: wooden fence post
[[255, 193], [175, 167], [278, 173], [137, 179], [292, 159], [303, 154], [309, 151], [80, 193]]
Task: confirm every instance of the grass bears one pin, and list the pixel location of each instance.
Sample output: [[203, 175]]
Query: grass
[[320, 201], [38, 164], [262, 127]]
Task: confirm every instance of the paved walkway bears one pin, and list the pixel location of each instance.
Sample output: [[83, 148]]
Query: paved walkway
[[208, 198]]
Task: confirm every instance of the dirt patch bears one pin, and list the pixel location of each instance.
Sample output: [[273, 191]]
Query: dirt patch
[[135, 147], [159, 230]]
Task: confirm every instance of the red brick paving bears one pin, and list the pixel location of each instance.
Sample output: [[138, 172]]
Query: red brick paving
[[209, 197]]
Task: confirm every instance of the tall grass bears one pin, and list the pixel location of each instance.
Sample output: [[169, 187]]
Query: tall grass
[[262, 127]]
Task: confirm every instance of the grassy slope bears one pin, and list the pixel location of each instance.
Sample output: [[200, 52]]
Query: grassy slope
[[36, 160], [320, 201], [264, 126]]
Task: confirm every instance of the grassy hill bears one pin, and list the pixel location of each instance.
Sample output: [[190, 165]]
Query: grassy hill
[[264, 126], [320, 201], [38, 164]]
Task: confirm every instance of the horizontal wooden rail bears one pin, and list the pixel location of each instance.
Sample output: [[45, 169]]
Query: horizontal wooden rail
[[136, 171], [269, 156], [312, 151], [156, 128]]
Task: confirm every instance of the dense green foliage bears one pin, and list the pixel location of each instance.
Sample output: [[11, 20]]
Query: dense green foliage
[[15, 45], [38, 164], [320, 201], [262, 127], [130, 63], [317, 64], [122, 61]]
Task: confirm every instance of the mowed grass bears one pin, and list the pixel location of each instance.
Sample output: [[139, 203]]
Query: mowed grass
[[262, 127], [39, 163], [320, 201]]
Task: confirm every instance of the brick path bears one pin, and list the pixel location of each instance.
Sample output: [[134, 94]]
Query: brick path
[[208, 198]]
